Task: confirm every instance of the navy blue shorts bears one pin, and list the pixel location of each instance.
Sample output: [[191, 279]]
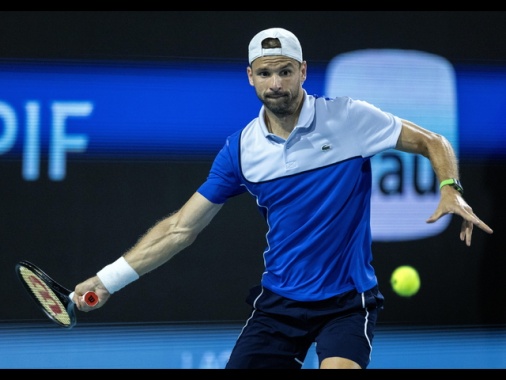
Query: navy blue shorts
[[280, 331]]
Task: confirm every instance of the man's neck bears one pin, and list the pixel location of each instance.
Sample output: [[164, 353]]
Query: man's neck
[[281, 127]]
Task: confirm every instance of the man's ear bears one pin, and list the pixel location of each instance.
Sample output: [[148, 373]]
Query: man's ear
[[249, 72]]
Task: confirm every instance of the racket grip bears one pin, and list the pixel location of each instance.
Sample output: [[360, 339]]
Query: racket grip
[[90, 298]]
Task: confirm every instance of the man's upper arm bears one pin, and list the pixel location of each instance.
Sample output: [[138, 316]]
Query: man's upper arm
[[413, 138]]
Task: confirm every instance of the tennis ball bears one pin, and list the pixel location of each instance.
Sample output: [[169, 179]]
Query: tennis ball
[[405, 281]]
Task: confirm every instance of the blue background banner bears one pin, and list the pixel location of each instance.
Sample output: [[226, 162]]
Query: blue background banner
[[184, 110]]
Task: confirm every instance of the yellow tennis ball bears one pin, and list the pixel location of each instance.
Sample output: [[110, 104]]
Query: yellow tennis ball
[[405, 281]]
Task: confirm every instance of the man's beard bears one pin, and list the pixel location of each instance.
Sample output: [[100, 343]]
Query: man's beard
[[283, 106]]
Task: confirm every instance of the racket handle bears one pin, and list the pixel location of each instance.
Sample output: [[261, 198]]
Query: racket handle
[[90, 298]]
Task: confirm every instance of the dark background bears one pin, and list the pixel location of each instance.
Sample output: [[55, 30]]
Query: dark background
[[75, 227], [458, 36]]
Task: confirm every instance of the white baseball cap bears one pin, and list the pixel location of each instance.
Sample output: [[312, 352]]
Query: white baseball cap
[[290, 45]]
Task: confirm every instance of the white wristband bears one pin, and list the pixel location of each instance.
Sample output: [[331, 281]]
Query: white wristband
[[117, 275]]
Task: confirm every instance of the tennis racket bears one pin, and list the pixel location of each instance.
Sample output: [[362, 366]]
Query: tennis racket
[[54, 299]]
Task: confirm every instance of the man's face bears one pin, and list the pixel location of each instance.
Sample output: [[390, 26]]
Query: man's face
[[278, 83]]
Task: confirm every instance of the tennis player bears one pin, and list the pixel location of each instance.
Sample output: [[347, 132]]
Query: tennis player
[[306, 160]]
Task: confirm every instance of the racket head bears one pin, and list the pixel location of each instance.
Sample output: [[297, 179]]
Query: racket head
[[51, 297]]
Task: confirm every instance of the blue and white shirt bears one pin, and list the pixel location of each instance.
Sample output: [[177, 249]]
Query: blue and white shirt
[[314, 191]]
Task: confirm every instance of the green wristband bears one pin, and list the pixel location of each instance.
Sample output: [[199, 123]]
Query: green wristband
[[455, 183]]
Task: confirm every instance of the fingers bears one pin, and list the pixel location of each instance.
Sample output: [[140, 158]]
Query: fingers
[[479, 223], [93, 288], [467, 228], [466, 232], [434, 217], [469, 221]]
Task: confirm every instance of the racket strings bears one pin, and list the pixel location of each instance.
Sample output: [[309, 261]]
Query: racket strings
[[46, 297]]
